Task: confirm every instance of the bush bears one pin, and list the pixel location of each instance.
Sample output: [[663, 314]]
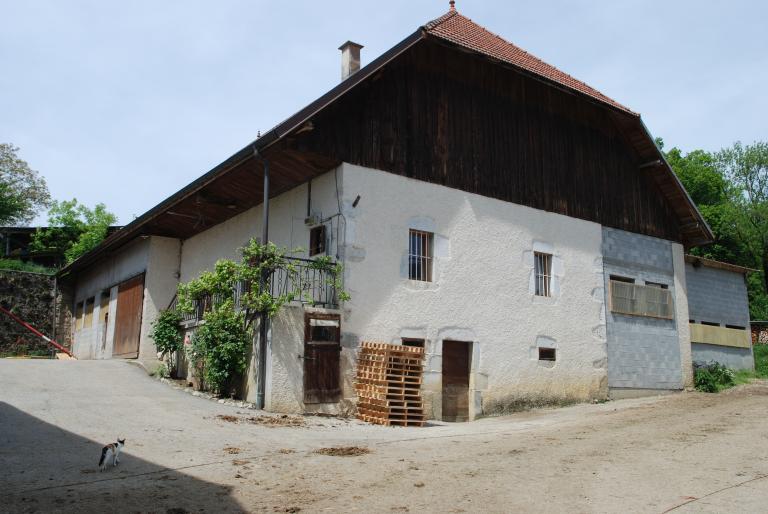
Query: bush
[[713, 377], [220, 346], [166, 332]]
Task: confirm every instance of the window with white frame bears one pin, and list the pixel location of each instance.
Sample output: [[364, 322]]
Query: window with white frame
[[420, 255], [542, 264]]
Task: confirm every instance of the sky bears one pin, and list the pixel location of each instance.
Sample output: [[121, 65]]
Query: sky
[[126, 102]]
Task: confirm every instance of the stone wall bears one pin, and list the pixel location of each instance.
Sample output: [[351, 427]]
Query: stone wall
[[31, 297]]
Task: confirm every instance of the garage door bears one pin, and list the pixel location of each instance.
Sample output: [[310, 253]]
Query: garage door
[[130, 299]]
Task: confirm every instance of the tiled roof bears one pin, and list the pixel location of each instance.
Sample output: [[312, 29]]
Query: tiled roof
[[460, 30]]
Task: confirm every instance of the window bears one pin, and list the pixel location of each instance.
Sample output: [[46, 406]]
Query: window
[[640, 300], [317, 240], [656, 284], [410, 341], [547, 354], [710, 324], [543, 273], [735, 327], [626, 280], [420, 255]]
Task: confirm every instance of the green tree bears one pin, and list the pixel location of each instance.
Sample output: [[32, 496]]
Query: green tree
[[73, 229], [746, 166], [730, 187], [23, 191]]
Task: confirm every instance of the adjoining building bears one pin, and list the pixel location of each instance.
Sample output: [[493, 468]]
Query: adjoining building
[[518, 224], [718, 308]]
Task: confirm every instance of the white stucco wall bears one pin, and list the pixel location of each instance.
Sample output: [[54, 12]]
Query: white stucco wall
[[160, 282], [481, 289], [158, 259], [681, 314], [286, 227], [131, 260]]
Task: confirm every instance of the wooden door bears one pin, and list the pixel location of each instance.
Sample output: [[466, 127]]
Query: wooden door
[[322, 358], [457, 356], [130, 300]]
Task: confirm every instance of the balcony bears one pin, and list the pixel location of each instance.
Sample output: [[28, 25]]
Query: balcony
[[309, 286]]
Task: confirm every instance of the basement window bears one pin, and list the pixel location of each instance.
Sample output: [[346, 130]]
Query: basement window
[[420, 255], [543, 273], [547, 354], [317, 240], [410, 341]]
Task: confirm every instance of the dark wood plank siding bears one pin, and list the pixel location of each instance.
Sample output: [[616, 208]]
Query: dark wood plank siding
[[448, 117]]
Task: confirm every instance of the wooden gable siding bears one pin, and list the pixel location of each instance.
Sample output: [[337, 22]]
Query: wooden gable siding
[[449, 117]]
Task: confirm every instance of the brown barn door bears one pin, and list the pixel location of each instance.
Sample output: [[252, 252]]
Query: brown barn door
[[457, 356], [322, 355], [130, 300]]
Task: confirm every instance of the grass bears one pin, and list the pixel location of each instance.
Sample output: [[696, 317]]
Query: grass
[[715, 380], [745, 376], [17, 265]]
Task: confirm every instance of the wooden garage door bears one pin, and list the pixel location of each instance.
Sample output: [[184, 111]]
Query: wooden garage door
[[130, 299], [322, 356]]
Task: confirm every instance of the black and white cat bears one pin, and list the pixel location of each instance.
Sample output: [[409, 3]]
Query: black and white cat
[[111, 451]]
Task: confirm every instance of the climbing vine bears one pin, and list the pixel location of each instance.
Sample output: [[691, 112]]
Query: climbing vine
[[233, 295]]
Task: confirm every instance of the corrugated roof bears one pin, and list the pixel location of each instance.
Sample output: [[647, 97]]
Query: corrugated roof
[[462, 31]]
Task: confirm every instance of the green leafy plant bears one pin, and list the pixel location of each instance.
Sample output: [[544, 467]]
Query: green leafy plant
[[713, 377], [221, 344], [233, 295], [166, 332]]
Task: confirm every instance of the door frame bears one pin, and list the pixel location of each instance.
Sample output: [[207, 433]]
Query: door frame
[[310, 347]]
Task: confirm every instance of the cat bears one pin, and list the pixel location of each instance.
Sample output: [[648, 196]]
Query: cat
[[111, 451]]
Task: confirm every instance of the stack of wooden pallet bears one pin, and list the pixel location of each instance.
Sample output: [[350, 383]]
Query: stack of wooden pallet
[[389, 384]]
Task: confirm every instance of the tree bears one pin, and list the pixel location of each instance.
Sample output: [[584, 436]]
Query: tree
[[747, 168], [23, 191], [73, 229]]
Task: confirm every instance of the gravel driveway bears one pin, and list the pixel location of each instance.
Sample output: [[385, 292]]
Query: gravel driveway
[[689, 452]]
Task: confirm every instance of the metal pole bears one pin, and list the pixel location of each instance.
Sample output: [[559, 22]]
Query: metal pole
[[263, 326]]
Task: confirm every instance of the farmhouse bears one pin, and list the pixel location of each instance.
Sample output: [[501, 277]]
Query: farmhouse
[[518, 224]]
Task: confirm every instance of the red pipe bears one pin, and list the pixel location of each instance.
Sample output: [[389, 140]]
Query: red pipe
[[34, 330]]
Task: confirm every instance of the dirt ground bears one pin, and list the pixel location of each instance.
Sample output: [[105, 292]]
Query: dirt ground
[[689, 452]]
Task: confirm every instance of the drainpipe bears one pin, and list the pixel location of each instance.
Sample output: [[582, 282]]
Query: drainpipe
[[261, 384]]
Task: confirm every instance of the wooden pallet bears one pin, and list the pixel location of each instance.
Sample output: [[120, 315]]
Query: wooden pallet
[[388, 384]]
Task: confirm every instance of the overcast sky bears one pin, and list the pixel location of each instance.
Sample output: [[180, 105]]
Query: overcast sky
[[125, 102]]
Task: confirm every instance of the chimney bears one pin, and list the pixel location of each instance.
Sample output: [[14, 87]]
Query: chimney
[[350, 59]]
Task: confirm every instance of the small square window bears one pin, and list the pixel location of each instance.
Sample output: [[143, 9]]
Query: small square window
[[317, 240], [547, 354], [543, 273], [420, 255], [417, 343]]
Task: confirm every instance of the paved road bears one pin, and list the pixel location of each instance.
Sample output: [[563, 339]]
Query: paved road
[[692, 452]]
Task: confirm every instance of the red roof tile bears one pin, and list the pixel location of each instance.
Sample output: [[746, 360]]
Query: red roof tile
[[460, 30]]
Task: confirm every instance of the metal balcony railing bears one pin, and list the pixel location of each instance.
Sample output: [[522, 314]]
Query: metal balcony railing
[[308, 285]]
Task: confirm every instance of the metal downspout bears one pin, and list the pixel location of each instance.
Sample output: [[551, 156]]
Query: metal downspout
[[261, 385]]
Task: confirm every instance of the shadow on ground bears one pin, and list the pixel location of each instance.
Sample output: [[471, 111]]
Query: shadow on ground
[[44, 468]]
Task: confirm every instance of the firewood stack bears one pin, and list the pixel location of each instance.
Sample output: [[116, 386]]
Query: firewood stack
[[388, 384]]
